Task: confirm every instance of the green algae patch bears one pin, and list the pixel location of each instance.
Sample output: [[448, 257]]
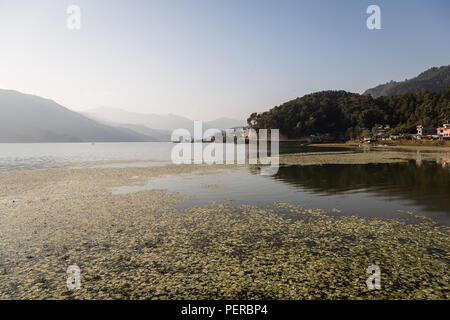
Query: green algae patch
[[212, 186], [343, 157], [363, 155], [139, 246]]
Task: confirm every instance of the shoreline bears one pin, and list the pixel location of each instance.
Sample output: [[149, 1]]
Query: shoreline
[[401, 147]]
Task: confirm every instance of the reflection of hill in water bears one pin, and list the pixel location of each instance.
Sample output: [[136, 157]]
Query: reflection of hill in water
[[427, 185]]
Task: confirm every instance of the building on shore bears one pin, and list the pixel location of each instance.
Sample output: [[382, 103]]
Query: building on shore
[[369, 140], [382, 131], [426, 130], [244, 133], [444, 131]]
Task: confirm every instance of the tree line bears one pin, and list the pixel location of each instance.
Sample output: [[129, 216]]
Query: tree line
[[344, 114]]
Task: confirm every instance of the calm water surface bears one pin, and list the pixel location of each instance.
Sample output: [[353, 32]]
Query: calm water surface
[[25, 156], [381, 190]]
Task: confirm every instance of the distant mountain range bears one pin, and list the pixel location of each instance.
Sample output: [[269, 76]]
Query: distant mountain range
[[434, 80], [166, 123], [29, 118]]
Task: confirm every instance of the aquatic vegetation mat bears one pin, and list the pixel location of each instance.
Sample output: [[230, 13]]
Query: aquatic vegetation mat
[[318, 158], [138, 246]]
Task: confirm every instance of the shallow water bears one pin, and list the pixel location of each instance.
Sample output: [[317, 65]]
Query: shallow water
[[385, 190], [381, 190], [26, 156], [31, 156]]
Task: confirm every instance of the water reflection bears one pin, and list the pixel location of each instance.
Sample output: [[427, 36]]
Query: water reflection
[[374, 190], [427, 184], [440, 158]]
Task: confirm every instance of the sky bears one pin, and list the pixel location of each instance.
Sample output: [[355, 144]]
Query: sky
[[205, 59]]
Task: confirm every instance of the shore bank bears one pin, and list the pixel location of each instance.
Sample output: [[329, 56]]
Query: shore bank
[[391, 146], [367, 155], [344, 157]]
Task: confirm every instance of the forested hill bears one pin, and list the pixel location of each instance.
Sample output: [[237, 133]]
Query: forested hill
[[341, 112], [434, 80]]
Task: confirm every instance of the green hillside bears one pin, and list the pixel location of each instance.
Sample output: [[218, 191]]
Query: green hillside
[[434, 80], [342, 113]]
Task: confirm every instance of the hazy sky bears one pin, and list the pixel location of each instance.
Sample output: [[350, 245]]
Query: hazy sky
[[212, 58]]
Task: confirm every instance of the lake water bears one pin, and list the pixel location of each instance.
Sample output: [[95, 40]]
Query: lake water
[[384, 190], [25, 156], [379, 190]]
